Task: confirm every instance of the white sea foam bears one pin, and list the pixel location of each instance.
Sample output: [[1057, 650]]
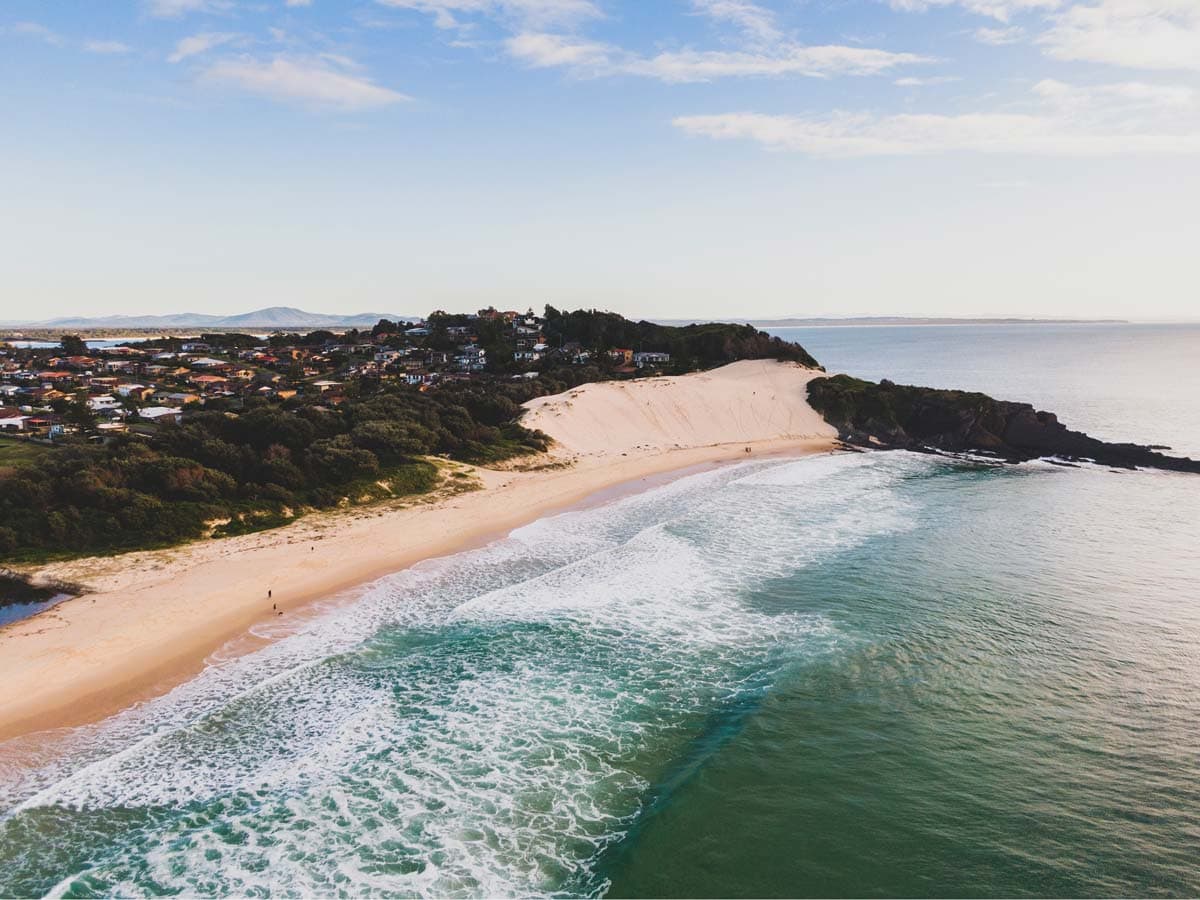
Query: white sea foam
[[483, 724]]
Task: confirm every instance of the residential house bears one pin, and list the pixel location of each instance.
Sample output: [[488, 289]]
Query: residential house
[[162, 415], [103, 402], [650, 358], [12, 419], [471, 358]]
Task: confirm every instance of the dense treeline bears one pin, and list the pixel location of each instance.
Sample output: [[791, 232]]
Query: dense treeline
[[256, 468], [691, 346]]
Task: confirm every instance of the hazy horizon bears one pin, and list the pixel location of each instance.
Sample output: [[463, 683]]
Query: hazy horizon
[[857, 318], [957, 158]]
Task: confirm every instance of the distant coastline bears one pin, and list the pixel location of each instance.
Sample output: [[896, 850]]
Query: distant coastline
[[877, 321], [290, 319]]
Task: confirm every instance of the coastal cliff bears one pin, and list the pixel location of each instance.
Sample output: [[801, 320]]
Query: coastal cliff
[[917, 418]]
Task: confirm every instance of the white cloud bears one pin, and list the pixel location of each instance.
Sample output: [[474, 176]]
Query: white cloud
[[200, 43], [313, 82], [1125, 98], [755, 22], [299, 2], [1065, 120], [1144, 34], [1001, 10], [110, 47], [925, 82], [543, 51], [41, 32], [591, 59], [998, 37], [690, 65], [534, 13], [174, 9]]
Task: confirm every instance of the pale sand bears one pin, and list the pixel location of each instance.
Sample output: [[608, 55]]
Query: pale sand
[[156, 617]]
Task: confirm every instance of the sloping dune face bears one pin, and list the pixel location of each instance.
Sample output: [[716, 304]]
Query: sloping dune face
[[744, 402]]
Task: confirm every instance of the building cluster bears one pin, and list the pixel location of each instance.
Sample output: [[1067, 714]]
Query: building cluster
[[46, 392]]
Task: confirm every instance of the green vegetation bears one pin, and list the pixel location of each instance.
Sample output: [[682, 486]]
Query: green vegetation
[[254, 469], [901, 414], [17, 452], [691, 346]]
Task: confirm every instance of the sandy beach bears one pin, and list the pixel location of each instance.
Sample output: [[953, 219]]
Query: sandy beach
[[154, 618]]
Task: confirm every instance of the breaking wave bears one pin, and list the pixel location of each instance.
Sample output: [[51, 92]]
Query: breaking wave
[[488, 723]]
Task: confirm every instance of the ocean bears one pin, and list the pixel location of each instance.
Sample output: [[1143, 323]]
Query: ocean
[[879, 674]]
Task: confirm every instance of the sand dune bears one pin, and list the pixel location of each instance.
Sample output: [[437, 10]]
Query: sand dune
[[749, 401], [154, 618]]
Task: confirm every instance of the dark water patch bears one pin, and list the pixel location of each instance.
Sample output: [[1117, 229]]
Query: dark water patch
[[21, 598]]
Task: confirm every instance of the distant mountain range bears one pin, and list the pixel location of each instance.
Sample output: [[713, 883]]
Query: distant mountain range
[[271, 318]]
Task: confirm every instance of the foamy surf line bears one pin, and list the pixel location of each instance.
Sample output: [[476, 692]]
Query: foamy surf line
[[486, 723]]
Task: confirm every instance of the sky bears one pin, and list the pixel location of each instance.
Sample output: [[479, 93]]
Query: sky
[[661, 158]]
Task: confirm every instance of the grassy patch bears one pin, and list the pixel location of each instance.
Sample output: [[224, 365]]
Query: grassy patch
[[16, 452], [419, 477]]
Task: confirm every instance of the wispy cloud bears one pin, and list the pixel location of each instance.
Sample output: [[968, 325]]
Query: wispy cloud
[[174, 9], [38, 31], [1144, 34], [1065, 120], [201, 43], [299, 2], [115, 48], [756, 23], [998, 37], [925, 82], [1002, 10], [531, 13], [592, 59], [313, 82]]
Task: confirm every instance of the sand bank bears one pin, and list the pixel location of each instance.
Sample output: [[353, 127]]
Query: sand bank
[[155, 617]]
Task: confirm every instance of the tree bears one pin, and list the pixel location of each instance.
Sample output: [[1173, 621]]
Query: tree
[[73, 345], [80, 414]]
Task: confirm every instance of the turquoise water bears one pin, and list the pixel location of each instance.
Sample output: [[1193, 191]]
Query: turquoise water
[[870, 674]]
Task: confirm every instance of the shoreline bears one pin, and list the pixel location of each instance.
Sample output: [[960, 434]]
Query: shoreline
[[45, 661], [156, 618]]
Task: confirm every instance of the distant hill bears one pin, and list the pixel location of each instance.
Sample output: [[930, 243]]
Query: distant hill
[[272, 317]]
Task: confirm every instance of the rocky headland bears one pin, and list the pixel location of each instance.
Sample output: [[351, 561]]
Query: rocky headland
[[917, 418]]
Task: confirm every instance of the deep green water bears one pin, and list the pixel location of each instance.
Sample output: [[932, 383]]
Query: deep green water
[[878, 674]]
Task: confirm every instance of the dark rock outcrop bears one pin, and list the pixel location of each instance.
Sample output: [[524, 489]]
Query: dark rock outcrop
[[917, 418]]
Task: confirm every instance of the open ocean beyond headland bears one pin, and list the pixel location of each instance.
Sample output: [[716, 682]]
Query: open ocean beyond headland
[[879, 674]]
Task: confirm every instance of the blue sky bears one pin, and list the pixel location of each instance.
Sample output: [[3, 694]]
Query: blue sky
[[663, 158]]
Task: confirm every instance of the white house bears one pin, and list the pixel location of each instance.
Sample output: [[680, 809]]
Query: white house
[[650, 359], [103, 402], [171, 415], [12, 419]]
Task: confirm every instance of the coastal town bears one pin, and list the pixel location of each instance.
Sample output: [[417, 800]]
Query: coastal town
[[100, 388]]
